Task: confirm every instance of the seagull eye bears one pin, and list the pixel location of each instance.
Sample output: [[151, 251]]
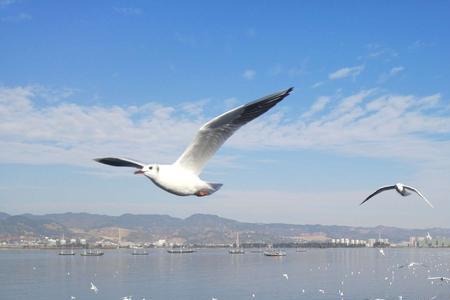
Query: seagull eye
[[150, 168]]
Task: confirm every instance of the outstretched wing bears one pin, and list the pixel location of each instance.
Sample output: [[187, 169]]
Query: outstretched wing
[[382, 189], [120, 162], [214, 133], [418, 193]]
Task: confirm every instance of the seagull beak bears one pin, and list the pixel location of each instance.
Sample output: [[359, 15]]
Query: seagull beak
[[138, 172]]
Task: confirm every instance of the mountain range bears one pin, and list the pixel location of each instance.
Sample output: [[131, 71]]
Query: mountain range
[[198, 229]]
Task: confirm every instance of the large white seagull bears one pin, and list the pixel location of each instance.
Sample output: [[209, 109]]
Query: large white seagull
[[182, 177]]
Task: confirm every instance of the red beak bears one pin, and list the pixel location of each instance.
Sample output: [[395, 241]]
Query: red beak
[[138, 172]]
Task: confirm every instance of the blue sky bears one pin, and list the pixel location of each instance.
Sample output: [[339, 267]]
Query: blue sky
[[371, 106]]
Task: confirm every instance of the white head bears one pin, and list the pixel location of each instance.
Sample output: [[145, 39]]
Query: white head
[[149, 171]]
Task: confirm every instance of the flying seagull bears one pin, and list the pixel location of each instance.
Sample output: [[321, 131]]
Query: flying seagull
[[412, 264], [446, 279], [402, 189], [182, 177], [94, 288]]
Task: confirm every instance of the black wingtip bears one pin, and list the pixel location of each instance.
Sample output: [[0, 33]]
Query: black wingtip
[[288, 91]]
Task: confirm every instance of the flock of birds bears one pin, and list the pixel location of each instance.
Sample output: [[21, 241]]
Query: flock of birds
[[392, 274], [182, 177]]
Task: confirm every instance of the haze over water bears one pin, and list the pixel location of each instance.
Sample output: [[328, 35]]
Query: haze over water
[[208, 273]]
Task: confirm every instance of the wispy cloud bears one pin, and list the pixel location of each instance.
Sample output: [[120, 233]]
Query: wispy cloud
[[317, 106], [346, 72], [376, 51], [391, 73], [22, 17], [249, 74], [128, 11], [317, 84], [368, 123]]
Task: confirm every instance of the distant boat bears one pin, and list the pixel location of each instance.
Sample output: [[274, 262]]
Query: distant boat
[[139, 251], [180, 250], [237, 249], [91, 253], [65, 252], [274, 252]]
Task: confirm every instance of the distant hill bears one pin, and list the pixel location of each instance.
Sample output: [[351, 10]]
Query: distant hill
[[198, 228]]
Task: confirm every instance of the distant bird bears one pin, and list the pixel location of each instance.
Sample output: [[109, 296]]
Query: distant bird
[[381, 251], [413, 264], [182, 177], [286, 276], [429, 236], [446, 279], [321, 291], [94, 288], [402, 189]]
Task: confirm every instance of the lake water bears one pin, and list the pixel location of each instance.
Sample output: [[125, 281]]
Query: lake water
[[213, 273]]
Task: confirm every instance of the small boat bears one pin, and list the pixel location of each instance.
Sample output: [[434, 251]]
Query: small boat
[[91, 253], [180, 250], [63, 252], [139, 251], [237, 249], [274, 252]]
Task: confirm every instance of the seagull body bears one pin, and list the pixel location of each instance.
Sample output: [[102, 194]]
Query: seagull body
[[446, 279], [381, 251], [429, 236], [182, 177], [402, 189], [286, 276], [413, 264], [94, 288]]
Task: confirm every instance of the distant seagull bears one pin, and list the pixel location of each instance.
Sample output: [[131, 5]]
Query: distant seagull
[[94, 288], [413, 264], [321, 291], [446, 279], [429, 236], [286, 276], [182, 177], [402, 189], [381, 251]]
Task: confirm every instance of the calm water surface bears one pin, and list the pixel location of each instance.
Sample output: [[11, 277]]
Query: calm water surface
[[207, 274]]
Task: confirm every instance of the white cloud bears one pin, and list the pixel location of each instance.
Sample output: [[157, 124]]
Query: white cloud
[[317, 106], [392, 72], [5, 3], [249, 74], [368, 123], [21, 17], [346, 72], [317, 84]]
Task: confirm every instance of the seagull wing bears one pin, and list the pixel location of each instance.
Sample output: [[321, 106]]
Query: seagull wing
[[120, 162], [381, 189], [214, 133], [418, 193], [434, 278]]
